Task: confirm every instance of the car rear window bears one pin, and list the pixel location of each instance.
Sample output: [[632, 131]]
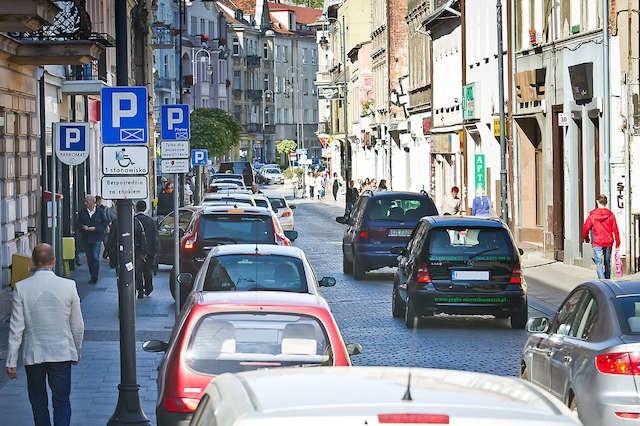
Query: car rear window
[[261, 203], [628, 309], [246, 272], [477, 242], [237, 228], [400, 209], [277, 203], [234, 342]]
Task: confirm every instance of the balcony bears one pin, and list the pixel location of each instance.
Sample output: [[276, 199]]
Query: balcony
[[253, 128], [254, 95], [162, 36], [67, 41], [323, 78], [164, 84], [236, 93], [324, 127], [253, 60], [26, 15]]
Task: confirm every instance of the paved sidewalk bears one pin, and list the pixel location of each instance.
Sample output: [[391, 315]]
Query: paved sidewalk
[[94, 389]]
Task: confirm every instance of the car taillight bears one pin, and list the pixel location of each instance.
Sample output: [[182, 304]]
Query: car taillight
[[625, 363], [631, 416], [180, 405], [189, 242], [363, 235], [423, 274], [287, 213], [414, 418], [516, 275]]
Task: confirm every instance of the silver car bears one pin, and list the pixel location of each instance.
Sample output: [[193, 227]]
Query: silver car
[[588, 355]]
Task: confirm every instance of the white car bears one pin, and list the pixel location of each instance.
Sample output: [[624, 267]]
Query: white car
[[262, 201], [272, 175], [373, 396], [216, 198], [283, 210]]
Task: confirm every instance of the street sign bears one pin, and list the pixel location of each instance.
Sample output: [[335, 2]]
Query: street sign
[[124, 187], [305, 162], [496, 126], [124, 115], [301, 151], [480, 173], [328, 92], [176, 165], [563, 119], [302, 157], [71, 145], [199, 157], [175, 123], [125, 160], [174, 149], [292, 156]]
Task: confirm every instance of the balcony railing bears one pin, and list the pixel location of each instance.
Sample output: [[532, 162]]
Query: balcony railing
[[162, 36], [253, 127], [253, 60], [236, 93], [254, 95], [164, 83]]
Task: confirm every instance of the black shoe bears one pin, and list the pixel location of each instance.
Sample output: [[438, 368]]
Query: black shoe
[[140, 294], [148, 291], [93, 280]]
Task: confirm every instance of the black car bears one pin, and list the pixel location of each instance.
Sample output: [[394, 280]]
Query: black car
[[165, 232], [212, 226], [378, 222], [242, 168], [460, 265]]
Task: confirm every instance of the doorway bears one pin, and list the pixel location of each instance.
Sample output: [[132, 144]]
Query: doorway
[[557, 209]]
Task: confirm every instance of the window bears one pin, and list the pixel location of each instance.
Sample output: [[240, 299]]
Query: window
[[276, 87], [203, 28], [166, 66], [236, 46], [222, 71], [237, 113], [237, 80], [194, 25], [286, 54], [212, 30], [314, 56], [305, 86], [305, 58], [563, 323], [306, 116], [587, 318], [278, 115], [222, 104], [266, 82], [265, 51], [628, 310], [267, 115]]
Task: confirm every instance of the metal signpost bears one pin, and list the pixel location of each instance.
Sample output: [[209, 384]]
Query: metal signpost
[[124, 122], [199, 159], [175, 132]]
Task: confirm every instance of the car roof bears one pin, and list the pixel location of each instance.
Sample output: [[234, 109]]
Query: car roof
[[620, 288], [260, 298], [488, 222], [224, 194], [275, 195], [259, 249], [294, 391], [227, 208], [385, 194]]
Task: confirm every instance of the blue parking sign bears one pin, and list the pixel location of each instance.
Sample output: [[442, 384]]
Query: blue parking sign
[[174, 123], [199, 157], [70, 141], [124, 115]]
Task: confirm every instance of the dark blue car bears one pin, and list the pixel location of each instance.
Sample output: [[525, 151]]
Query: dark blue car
[[378, 222]]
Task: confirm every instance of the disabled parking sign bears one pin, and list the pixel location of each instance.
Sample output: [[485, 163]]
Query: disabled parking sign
[[124, 115]]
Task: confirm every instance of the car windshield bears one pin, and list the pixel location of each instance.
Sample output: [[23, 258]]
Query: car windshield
[[242, 228], [628, 309], [277, 203], [478, 243], [247, 272], [234, 342], [261, 202], [399, 209]]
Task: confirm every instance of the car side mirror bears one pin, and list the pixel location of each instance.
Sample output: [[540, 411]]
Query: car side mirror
[[354, 348], [538, 325], [342, 219], [520, 251], [291, 235], [327, 282], [155, 346], [185, 278], [292, 206], [275, 209], [399, 250]]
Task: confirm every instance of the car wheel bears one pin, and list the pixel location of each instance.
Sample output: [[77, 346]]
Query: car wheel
[[410, 316], [358, 270], [397, 307], [573, 407], [519, 318], [347, 267]]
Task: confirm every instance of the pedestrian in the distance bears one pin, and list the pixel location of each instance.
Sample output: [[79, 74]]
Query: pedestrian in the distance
[[152, 246], [351, 196], [481, 204], [312, 184], [319, 186], [46, 322], [602, 224], [335, 186], [382, 186], [451, 205], [93, 225]]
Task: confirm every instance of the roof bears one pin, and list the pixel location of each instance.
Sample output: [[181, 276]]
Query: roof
[[304, 15], [291, 392], [489, 222], [247, 6], [260, 249], [260, 298]]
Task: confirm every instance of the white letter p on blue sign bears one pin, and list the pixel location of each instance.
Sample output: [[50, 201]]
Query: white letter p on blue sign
[[72, 137]]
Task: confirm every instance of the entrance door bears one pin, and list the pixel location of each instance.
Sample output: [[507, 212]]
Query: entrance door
[[557, 213]]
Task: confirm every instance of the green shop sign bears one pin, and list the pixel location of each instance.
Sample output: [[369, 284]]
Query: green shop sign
[[479, 172]]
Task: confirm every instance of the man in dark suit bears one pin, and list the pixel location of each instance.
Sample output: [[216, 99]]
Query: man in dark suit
[[144, 277], [92, 224]]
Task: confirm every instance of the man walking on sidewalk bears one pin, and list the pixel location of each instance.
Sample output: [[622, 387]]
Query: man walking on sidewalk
[[46, 321], [602, 224], [152, 245], [93, 224]]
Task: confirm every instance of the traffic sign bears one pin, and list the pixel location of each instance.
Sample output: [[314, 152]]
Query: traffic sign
[[125, 160], [292, 156], [174, 149], [301, 151], [124, 115], [124, 187], [305, 162], [563, 119], [71, 145], [175, 165], [199, 157], [174, 123]]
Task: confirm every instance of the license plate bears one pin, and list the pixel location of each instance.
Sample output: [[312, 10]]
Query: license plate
[[470, 275], [399, 232]]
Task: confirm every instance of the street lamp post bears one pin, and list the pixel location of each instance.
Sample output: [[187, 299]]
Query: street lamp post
[[296, 117], [206, 57], [265, 93]]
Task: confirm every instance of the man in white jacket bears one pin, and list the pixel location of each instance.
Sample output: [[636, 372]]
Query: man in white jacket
[[47, 322]]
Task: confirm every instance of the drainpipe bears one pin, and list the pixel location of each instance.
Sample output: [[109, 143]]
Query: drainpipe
[[606, 103]]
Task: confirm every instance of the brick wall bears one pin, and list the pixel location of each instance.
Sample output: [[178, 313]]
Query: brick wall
[[398, 49]]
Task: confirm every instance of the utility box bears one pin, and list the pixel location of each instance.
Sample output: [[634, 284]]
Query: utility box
[[68, 248], [20, 268]]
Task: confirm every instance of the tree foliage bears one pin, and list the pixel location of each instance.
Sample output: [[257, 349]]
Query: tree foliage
[[310, 3], [286, 146], [214, 130]]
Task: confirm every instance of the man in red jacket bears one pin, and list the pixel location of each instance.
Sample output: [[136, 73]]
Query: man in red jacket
[[604, 228]]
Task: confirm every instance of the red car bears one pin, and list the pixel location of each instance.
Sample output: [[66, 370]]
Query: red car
[[222, 332]]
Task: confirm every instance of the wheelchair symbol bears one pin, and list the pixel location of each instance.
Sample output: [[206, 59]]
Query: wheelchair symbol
[[123, 159]]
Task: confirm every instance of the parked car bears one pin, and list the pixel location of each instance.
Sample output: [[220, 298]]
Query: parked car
[[166, 235], [229, 175], [212, 226], [221, 332], [228, 197], [283, 210], [460, 265], [216, 186], [271, 176], [261, 200], [377, 222], [375, 396], [242, 168], [588, 354]]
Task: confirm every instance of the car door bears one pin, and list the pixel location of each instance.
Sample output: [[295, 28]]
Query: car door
[[561, 325], [353, 221], [165, 234], [570, 350]]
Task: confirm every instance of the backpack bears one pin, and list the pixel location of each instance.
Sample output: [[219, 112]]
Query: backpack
[[140, 239]]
